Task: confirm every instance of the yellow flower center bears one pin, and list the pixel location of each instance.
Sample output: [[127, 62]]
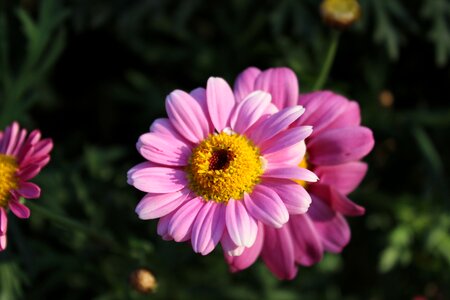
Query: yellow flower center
[[8, 178], [224, 166], [303, 164]]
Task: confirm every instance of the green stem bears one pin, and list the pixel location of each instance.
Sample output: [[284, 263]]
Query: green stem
[[329, 58]]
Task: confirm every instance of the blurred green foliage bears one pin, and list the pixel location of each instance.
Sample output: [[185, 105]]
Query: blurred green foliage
[[93, 75]]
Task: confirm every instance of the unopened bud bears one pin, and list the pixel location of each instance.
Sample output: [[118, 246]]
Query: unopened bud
[[340, 13], [143, 281]]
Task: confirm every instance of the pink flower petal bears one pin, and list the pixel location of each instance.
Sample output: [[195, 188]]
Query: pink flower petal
[[281, 83], [29, 172], [249, 111], [158, 179], [20, 210], [341, 145], [180, 225], [163, 126], [43, 147], [294, 196], [344, 177], [3, 242], [221, 102], [10, 138], [331, 226], [336, 200], [292, 155], [266, 206], [245, 82], [29, 190], [3, 221], [350, 117], [278, 252], [241, 226], [275, 124], [163, 226], [286, 139], [208, 227], [307, 242], [154, 206], [228, 245], [285, 171], [161, 149], [187, 116], [199, 94], [249, 255]]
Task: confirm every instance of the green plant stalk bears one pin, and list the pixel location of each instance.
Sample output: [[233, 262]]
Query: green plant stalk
[[329, 59]]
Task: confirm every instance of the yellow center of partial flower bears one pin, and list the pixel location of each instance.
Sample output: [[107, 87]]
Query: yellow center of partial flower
[[303, 164], [224, 166], [8, 178]]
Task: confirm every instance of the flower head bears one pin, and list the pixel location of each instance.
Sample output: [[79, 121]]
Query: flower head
[[340, 13], [333, 152], [21, 158], [211, 166]]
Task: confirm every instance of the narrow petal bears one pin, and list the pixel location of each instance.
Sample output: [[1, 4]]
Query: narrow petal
[[336, 200], [343, 177], [285, 171], [29, 172], [229, 247], [208, 227], [341, 145], [180, 225], [20, 210], [350, 117], [13, 135], [163, 126], [163, 226], [281, 83], [278, 252], [331, 226], [249, 111], [221, 102], [307, 242], [292, 155], [154, 206], [294, 196], [29, 190], [249, 255], [241, 226], [187, 116], [266, 206], [286, 139], [161, 149], [158, 179], [3, 221], [3, 242], [275, 124], [245, 82]]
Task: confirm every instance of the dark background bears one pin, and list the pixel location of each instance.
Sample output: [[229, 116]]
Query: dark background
[[93, 75]]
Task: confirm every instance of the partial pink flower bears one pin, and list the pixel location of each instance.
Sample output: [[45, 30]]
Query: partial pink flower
[[22, 157], [210, 163], [333, 151]]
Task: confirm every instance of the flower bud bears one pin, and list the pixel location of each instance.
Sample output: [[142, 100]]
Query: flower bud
[[143, 281], [340, 13]]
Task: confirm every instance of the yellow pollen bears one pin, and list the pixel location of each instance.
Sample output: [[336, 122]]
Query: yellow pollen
[[224, 166], [303, 164], [8, 178]]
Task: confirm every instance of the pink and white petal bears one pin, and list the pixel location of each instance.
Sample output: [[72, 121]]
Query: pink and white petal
[[208, 227], [285, 171], [350, 117], [266, 206], [20, 210], [336, 200], [249, 111], [163, 126], [199, 94], [163, 226], [249, 255], [275, 124], [163, 150], [292, 155], [281, 83], [11, 135], [228, 246], [330, 225], [154, 206], [286, 139], [343, 177], [340, 145], [294, 196], [29, 190], [187, 116], [221, 102], [242, 228], [278, 252], [3, 221], [245, 82], [3, 242], [158, 180], [180, 225], [307, 243]]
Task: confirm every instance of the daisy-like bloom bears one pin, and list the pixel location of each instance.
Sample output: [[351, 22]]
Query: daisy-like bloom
[[333, 152], [212, 166], [21, 158]]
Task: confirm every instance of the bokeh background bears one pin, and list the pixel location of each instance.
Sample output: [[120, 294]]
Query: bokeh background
[[93, 75]]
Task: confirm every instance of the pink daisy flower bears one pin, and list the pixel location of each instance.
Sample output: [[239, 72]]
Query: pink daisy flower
[[21, 158], [211, 164], [333, 152]]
